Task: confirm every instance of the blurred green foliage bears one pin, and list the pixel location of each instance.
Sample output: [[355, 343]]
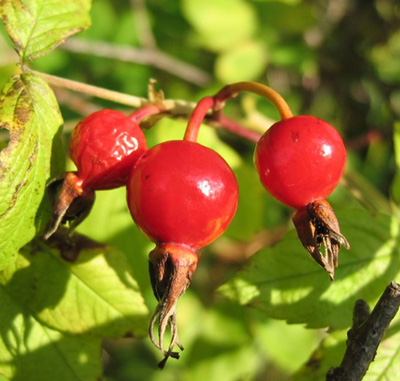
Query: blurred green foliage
[[337, 60]]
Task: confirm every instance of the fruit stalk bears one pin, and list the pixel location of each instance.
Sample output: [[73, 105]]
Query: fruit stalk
[[197, 117], [230, 91], [146, 111]]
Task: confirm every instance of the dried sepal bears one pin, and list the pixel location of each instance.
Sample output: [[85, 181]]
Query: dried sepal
[[171, 269], [316, 224], [71, 203]]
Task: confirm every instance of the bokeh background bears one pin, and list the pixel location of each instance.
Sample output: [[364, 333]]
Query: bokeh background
[[338, 60]]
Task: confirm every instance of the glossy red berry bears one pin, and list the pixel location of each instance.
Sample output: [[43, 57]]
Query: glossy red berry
[[300, 160], [105, 146], [183, 193], [183, 196]]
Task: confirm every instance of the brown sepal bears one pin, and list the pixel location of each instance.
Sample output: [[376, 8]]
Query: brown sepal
[[316, 224], [171, 269], [71, 203]]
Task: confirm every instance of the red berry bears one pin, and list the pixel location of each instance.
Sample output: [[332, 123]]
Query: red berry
[[183, 193], [104, 146], [300, 160]]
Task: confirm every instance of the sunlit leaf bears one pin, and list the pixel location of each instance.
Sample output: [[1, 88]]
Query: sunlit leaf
[[29, 111], [286, 284], [38, 26], [96, 294], [32, 351]]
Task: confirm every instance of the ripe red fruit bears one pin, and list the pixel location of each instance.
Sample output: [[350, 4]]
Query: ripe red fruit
[[300, 160], [182, 192], [183, 196], [104, 146]]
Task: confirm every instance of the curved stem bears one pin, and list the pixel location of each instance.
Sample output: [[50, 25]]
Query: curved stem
[[146, 111], [233, 89], [197, 117]]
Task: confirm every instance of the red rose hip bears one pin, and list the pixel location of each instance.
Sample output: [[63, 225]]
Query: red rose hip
[[183, 196], [104, 146], [300, 160], [182, 192]]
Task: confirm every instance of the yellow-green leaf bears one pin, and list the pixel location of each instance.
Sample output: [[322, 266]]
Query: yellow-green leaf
[[29, 111], [38, 26]]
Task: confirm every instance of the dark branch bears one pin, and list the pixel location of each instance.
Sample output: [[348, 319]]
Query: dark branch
[[366, 334]]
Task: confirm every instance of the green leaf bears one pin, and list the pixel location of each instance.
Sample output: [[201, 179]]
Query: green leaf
[[110, 222], [29, 111], [222, 344], [38, 26], [286, 284], [96, 294], [245, 62], [396, 182], [288, 354], [328, 354], [32, 351], [385, 58], [221, 24], [256, 207]]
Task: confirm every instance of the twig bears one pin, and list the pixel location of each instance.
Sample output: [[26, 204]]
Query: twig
[[173, 107], [147, 56], [110, 95], [366, 334], [223, 122], [144, 32]]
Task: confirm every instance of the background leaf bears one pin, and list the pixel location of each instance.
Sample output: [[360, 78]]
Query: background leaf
[[286, 284], [221, 24], [32, 351], [328, 354], [38, 26], [395, 188], [335, 60], [29, 111], [96, 294], [243, 63]]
